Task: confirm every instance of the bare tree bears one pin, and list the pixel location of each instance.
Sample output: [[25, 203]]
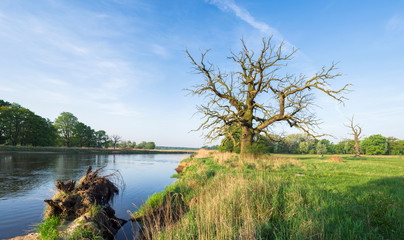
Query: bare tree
[[356, 132], [115, 139], [259, 94]]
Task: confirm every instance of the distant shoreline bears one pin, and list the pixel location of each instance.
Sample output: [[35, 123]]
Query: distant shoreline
[[75, 150]]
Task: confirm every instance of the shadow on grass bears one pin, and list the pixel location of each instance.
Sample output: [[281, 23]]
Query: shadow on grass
[[374, 210]]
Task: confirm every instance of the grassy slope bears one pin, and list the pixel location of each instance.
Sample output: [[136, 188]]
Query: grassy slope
[[281, 197]]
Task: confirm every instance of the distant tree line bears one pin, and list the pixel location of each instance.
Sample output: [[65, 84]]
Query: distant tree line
[[302, 144], [20, 126]]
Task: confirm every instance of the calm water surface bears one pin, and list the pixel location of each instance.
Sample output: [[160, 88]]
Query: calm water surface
[[27, 179]]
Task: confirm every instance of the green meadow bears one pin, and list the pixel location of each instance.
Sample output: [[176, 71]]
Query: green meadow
[[231, 196]]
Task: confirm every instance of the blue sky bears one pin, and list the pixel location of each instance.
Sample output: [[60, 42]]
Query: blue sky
[[120, 65]]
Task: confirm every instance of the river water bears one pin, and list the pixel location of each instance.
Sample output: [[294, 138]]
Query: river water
[[27, 179]]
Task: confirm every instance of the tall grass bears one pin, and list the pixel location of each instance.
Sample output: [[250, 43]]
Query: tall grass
[[273, 197], [48, 229]]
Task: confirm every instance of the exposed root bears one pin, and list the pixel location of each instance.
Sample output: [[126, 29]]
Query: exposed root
[[88, 202]]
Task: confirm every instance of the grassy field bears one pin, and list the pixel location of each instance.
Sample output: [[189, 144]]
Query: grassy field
[[225, 196]]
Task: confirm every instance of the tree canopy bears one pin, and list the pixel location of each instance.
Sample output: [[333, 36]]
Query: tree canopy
[[375, 145], [66, 124]]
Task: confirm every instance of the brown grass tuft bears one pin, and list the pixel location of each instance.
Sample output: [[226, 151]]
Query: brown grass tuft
[[204, 153], [335, 159]]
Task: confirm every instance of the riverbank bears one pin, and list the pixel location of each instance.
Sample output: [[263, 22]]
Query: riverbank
[[75, 150], [28, 179], [226, 196]]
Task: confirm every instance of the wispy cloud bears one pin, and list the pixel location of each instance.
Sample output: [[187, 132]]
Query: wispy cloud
[[395, 23], [303, 62], [65, 61], [118, 109], [244, 14], [56, 82], [159, 50]]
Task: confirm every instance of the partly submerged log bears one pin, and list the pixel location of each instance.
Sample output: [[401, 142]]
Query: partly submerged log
[[86, 204]]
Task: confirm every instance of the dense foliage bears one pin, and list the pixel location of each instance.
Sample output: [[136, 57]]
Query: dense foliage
[[302, 144], [22, 127]]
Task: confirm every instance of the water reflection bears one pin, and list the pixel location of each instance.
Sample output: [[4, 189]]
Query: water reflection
[[27, 179], [20, 173]]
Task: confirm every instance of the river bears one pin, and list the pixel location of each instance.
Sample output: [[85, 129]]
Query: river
[[27, 179]]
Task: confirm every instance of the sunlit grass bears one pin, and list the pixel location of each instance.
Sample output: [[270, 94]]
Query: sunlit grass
[[48, 229], [283, 197]]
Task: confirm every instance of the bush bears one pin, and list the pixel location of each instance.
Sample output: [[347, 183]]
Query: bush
[[257, 148]]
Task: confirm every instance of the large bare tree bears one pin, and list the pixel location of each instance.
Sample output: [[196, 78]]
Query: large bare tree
[[259, 94], [356, 132]]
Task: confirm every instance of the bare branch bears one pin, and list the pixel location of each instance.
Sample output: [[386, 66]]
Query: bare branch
[[236, 99]]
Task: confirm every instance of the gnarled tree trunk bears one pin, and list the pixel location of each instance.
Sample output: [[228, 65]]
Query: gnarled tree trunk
[[246, 139]]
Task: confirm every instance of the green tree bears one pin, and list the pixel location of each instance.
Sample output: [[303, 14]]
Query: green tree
[[329, 145], [4, 103], [19, 125], [293, 140], [339, 147], [349, 146], [40, 132], [65, 125], [321, 148], [150, 145], [141, 145], [101, 139], [396, 146], [83, 135], [13, 121], [304, 147], [260, 94], [375, 145], [231, 141]]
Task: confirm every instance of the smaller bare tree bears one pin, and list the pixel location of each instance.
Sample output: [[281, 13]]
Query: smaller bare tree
[[115, 139], [356, 132]]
